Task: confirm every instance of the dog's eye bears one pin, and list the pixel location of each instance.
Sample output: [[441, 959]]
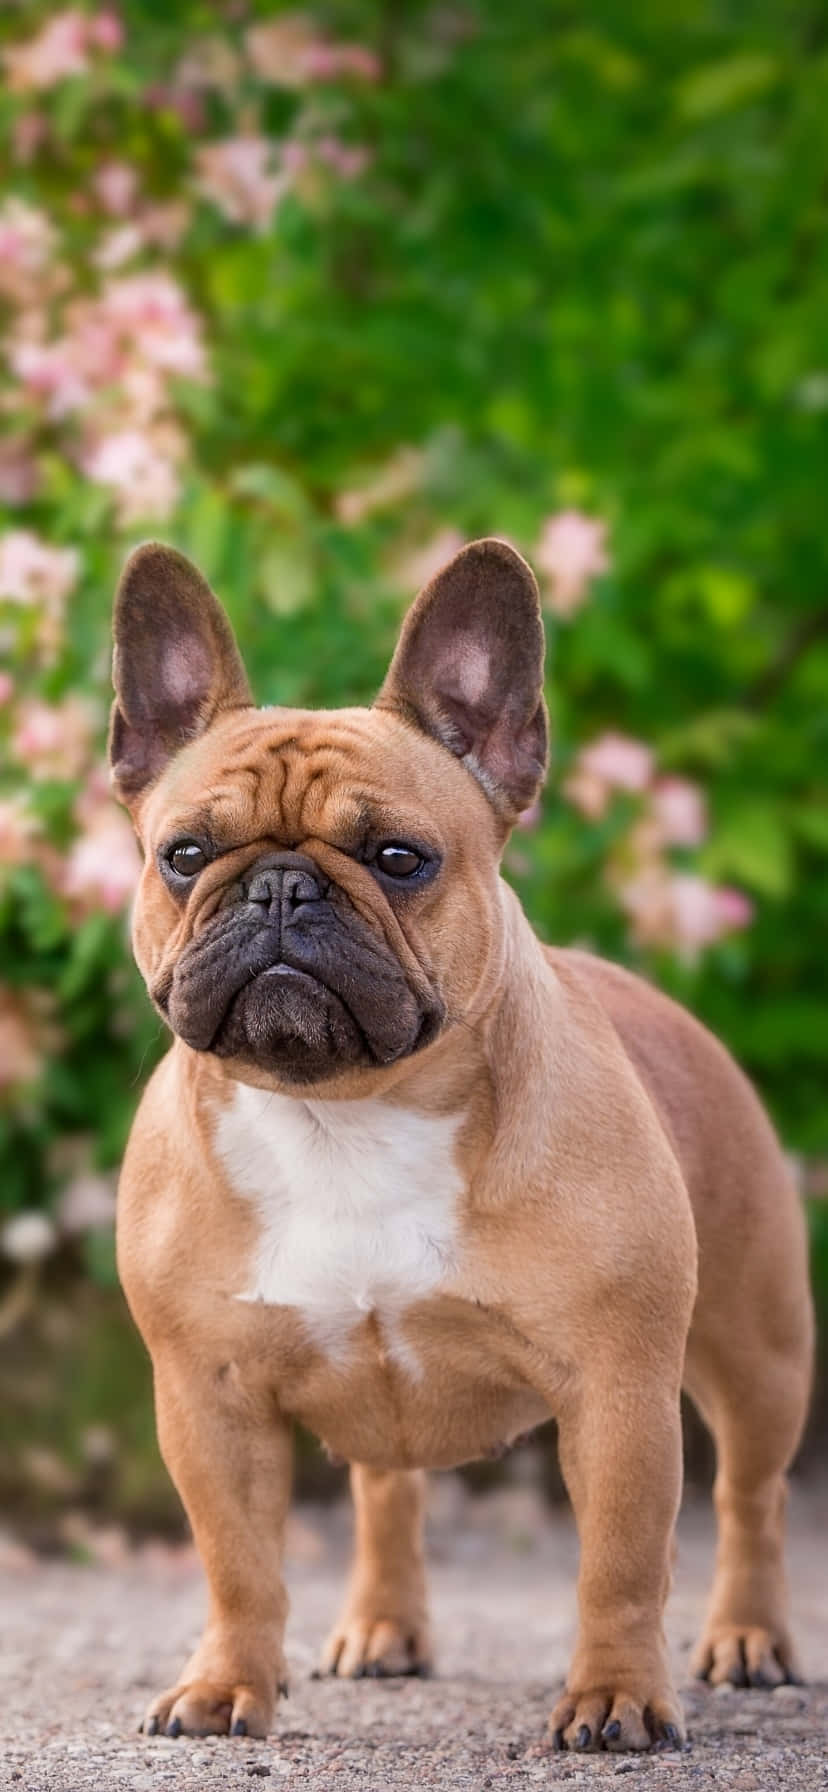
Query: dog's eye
[[399, 861], [187, 858]]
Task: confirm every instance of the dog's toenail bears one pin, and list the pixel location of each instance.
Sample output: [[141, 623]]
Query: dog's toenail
[[174, 1727], [611, 1732], [557, 1739], [152, 1726], [239, 1727], [284, 1689], [671, 1735], [584, 1737]]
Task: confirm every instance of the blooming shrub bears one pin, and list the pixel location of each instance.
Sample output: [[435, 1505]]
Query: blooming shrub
[[321, 295]]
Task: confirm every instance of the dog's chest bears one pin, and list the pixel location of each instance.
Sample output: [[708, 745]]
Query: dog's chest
[[356, 1204]]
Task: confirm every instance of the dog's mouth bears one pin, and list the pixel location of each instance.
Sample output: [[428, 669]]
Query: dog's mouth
[[301, 1022], [288, 1021]]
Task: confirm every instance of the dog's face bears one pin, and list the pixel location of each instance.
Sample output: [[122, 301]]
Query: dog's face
[[320, 894]]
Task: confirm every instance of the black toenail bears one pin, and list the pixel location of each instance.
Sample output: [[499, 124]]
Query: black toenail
[[373, 1670], [174, 1727], [557, 1739], [284, 1689], [239, 1727], [611, 1732], [671, 1735], [584, 1737], [152, 1726]]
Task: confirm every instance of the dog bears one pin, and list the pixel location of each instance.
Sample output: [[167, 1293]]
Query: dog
[[420, 1182]]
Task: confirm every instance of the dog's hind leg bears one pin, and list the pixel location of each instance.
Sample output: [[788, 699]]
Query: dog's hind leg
[[751, 1384], [383, 1627]]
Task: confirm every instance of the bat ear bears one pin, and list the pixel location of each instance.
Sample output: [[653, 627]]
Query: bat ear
[[468, 670], [175, 665]]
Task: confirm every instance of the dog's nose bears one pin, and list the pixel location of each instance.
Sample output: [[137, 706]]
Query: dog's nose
[[287, 881]]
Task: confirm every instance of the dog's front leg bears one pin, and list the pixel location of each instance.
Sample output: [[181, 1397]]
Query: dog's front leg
[[229, 1454], [383, 1628], [620, 1452]]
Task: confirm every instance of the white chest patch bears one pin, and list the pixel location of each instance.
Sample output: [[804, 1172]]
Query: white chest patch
[[356, 1200]]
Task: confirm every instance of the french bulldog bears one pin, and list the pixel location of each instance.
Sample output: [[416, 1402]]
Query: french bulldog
[[419, 1181]]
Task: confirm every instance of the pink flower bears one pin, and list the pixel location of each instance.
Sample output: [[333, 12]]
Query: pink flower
[[211, 62], [151, 312], [59, 50], [326, 62], [29, 132], [295, 156], [27, 244], [18, 471], [288, 52], [86, 1202], [734, 909], [103, 866], [144, 479], [681, 911], [18, 829], [623, 763], [105, 31], [702, 913], [118, 246], [236, 175], [50, 371], [188, 106], [571, 551], [679, 810], [53, 740], [116, 186], [612, 762], [348, 160], [33, 573], [278, 51], [164, 225]]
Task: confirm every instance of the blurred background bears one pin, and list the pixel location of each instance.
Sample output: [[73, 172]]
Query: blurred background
[[317, 296]]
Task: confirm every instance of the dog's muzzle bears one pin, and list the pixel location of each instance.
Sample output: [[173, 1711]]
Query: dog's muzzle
[[286, 974]]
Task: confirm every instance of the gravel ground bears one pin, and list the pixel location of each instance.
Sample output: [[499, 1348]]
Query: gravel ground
[[84, 1646]]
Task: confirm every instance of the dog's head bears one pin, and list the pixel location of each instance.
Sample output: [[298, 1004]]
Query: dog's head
[[320, 895]]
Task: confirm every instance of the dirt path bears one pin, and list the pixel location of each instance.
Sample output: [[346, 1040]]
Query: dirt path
[[84, 1647]]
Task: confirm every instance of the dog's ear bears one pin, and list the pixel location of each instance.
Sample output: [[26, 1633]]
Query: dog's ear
[[468, 669], [175, 665]]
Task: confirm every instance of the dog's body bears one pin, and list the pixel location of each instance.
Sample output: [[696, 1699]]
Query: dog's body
[[416, 1181]]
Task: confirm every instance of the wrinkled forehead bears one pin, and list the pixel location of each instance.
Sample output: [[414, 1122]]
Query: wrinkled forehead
[[301, 774]]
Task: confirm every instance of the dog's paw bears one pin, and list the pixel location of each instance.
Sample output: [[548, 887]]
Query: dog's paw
[[371, 1645], [602, 1718], [211, 1708], [744, 1655]]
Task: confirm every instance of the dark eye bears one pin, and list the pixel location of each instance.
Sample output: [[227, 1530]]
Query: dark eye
[[399, 861], [187, 858]]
